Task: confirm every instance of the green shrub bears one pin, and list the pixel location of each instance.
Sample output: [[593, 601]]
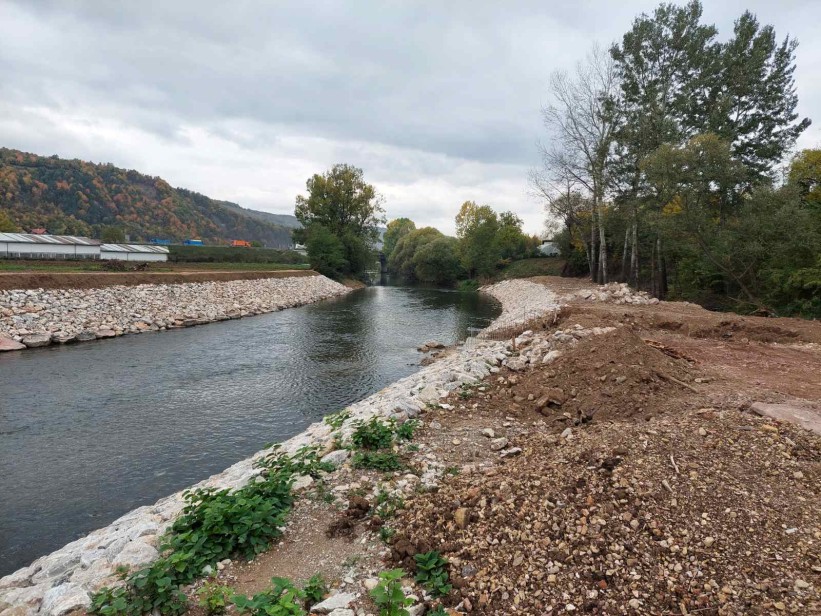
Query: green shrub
[[377, 460], [284, 599], [214, 597], [432, 573], [316, 589], [373, 435], [215, 524], [388, 595], [387, 504], [405, 431]]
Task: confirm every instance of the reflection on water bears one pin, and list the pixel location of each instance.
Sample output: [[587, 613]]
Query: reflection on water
[[88, 432]]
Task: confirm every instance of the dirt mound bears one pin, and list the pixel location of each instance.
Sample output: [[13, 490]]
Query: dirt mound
[[736, 330], [706, 512], [605, 377]]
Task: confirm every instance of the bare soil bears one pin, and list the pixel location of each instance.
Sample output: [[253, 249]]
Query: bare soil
[[93, 280]]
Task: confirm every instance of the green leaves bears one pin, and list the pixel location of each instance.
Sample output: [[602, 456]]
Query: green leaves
[[388, 595], [432, 573], [284, 599], [214, 525], [384, 461], [373, 435], [316, 589]]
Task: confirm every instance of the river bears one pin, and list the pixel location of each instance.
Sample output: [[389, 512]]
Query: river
[[91, 431]]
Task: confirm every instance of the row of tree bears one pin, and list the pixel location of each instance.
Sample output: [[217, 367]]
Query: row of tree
[[484, 241], [341, 217], [663, 165]]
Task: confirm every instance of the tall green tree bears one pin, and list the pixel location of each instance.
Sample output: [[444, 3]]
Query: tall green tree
[[112, 234], [512, 242], [326, 252], [397, 228], [400, 262], [752, 104], [476, 228], [346, 206], [805, 176], [437, 261]]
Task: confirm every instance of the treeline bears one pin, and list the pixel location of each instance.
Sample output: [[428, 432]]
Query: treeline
[[74, 197], [229, 254], [484, 241], [663, 166]]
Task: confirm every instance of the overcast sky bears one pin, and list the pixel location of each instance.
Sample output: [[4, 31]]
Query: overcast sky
[[438, 102]]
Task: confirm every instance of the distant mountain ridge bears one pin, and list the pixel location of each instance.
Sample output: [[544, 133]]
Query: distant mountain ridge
[[283, 220], [82, 198]]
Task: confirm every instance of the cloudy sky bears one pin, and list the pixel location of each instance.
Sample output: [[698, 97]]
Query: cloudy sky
[[438, 102]]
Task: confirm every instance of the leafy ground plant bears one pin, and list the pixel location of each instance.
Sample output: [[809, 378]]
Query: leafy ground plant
[[373, 435], [432, 573], [284, 599], [377, 460], [215, 524], [388, 595], [405, 431], [214, 597], [335, 420], [315, 589], [387, 504]]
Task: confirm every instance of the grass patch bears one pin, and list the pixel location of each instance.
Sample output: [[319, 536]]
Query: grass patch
[[525, 268]]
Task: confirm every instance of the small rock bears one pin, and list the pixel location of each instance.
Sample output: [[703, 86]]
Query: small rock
[[702, 432], [336, 458], [370, 583], [460, 516], [498, 444], [708, 541], [63, 599], [334, 602], [488, 432], [801, 584], [302, 482]]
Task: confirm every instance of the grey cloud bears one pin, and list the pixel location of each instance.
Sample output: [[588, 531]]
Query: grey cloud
[[449, 92]]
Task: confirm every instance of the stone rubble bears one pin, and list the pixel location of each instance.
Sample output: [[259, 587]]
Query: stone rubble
[[89, 563], [616, 293], [39, 317]]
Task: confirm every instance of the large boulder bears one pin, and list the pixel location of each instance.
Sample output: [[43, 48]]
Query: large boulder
[[9, 344], [63, 599], [37, 340]]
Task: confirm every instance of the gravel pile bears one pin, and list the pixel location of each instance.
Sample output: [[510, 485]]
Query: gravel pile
[[38, 317], [616, 293], [523, 301], [712, 512]]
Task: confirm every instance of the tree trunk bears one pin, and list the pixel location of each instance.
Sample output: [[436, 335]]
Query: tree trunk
[[653, 271], [634, 255], [602, 249], [623, 277], [593, 255]]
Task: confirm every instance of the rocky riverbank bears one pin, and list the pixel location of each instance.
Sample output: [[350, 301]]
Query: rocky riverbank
[[39, 317], [61, 581]]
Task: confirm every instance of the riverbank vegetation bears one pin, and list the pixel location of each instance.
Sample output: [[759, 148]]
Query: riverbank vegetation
[[340, 218], [485, 242], [664, 166]]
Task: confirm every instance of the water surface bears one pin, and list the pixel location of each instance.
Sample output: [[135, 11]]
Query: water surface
[[91, 431]]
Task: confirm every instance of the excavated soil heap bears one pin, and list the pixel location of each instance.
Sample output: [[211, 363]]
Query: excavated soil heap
[[702, 512]]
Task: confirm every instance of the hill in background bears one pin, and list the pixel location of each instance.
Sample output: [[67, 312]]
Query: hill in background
[[81, 198]]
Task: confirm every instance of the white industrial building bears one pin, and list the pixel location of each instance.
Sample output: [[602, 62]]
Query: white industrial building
[[26, 246], [32, 246], [134, 252]]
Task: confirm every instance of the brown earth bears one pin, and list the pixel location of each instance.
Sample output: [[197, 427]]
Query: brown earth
[[93, 280]]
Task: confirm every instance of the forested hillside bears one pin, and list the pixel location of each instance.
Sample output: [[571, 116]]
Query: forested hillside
[[82, 198]]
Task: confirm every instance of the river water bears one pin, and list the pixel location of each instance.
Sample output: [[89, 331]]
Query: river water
[[91, 431]]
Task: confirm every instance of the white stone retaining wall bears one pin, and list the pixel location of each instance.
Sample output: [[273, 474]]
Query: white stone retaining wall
[[38, 317], [61, 581]]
